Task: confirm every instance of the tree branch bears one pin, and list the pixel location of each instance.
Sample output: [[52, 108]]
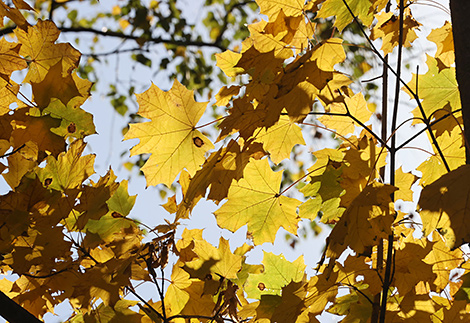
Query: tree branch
[[15, 313], [118, 34], [461, 30]]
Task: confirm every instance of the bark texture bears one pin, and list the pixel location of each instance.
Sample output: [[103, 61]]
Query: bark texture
[[460, 13]]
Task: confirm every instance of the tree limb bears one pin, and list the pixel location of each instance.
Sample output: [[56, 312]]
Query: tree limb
[[461, 29], [13, 312], [118, 34]]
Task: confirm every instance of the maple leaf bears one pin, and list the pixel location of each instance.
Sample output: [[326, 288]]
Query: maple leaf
[[321, 291], [279, 139], [404, 181], [120, 201], [8, 95], [388, 29], [14, 14], [410, 264], [278, 273], [368, 218], [443, 260], [443, 207], [107, 314], [74, 122], [176, 297], [69, 170], [36, 129], [451, 147], [255, 200], [54, 84], [360, 8], [288, 7], [38, 44], [437, 89], [199, 303], [220, 261], [171, 136], [20, 164], [444, 39], [285, 36], [329, 53], [356, 106], [227, 62], [218, 171], [10, 61], [92, 204], [225, 95]]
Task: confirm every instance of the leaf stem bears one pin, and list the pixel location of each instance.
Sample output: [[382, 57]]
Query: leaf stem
[[209, 123]]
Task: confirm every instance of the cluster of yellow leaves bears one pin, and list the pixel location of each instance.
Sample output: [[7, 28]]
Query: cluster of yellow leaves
[[289, 69], [65, 236], [68, 237]]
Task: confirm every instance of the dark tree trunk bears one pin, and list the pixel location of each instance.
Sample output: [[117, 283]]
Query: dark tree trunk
[[13, 312], [460, 13]]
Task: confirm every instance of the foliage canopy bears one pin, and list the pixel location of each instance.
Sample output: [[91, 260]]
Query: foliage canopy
[[69, 238]]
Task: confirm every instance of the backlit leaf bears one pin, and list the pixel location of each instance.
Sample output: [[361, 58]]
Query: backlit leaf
[[255, 200], [171, 136]]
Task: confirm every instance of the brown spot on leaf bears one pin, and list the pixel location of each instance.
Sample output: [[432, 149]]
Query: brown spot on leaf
[[261, 286], [47, 181], [198, 142], [116, 215], [72, 128]]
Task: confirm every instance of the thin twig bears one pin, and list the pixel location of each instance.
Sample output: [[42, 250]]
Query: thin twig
[[14, 151]]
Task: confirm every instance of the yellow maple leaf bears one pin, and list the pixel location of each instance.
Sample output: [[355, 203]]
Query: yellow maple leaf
[[38, 45], [69, 170], [227, 62], [226, 94], [279, 139], [404, 181], [444, 39], [452, 147], [321, 291], [218, 172], [444, 207], [368, 218], [255, 200], [176, 297], [388, 29], [8, 95], [36, 129], [443, 260], [9, 59], [285, 36], [171, 136], [20, 163], [278, 273], [411, 269], [360, 8], [329, 53], [272, 8], [355, 106], [13, 13]]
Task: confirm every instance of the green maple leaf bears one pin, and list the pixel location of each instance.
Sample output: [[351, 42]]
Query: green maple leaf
[[278, 273], [255, 200], [437, 89]]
